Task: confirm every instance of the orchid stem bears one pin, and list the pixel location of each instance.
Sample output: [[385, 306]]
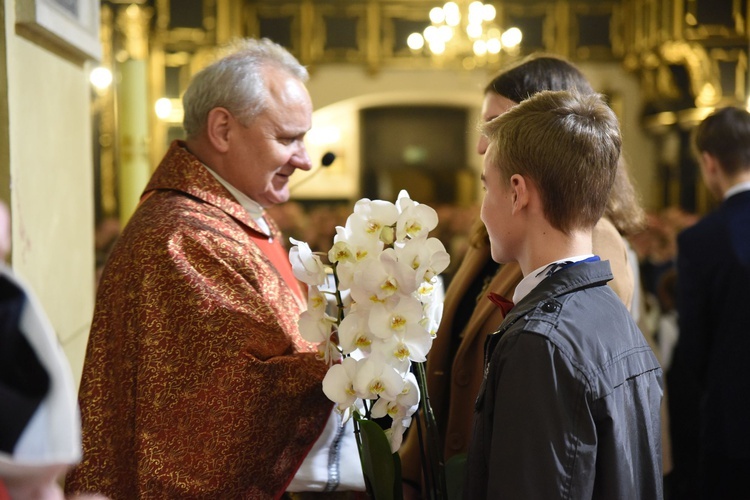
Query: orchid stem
[[339, 300], [435, 464]]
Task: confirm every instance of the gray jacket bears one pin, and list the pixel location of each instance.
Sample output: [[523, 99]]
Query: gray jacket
[[569, 406]]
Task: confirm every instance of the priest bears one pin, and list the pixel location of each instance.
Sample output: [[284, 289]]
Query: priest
[[196, 382]]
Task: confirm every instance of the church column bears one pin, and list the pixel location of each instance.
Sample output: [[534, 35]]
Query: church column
[[133, 108]]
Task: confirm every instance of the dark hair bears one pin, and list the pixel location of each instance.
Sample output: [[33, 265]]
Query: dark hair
[[725, 135], [535, 73], [522, 79], [624, 209], [568, 144]]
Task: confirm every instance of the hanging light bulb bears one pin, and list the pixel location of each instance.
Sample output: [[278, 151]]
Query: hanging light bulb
[[494, 45], [488, 12], [512, 37], [437, 15], [101, 78], [465, 29], [431, 34], [445, 33], [163, 108], [476, 13], [437, 46], [474, 30], [452, 14], [480, 48], [415, 41]]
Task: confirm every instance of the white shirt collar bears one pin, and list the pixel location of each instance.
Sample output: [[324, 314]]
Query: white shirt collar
[[531, 280], [737, 188], [252, 207]]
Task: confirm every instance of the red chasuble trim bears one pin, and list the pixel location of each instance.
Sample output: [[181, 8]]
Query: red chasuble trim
[[279, 257]]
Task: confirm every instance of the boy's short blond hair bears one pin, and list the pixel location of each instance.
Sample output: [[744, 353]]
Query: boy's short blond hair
[[568, 145]]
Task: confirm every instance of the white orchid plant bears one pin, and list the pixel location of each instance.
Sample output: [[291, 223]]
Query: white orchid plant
[[385, 309]]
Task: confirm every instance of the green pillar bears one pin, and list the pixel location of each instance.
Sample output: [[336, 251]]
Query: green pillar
[[133, 110]]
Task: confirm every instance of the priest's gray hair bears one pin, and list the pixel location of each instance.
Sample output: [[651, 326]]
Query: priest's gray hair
[[236, 82]]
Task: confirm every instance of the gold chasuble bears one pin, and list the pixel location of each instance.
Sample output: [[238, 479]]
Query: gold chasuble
[[196, 382]]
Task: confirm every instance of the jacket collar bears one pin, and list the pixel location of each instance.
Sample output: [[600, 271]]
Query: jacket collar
[[564, 281], [737, 198], [182, 171], [742, 187]]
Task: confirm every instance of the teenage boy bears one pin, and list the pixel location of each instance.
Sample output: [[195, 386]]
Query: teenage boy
[[710, 371], [569, 405]]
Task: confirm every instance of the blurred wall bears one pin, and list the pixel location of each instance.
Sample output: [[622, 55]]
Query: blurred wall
[[340, 92], [46, 176]]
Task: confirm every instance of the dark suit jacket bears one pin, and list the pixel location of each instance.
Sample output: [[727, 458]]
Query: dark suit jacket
[[713, 350]]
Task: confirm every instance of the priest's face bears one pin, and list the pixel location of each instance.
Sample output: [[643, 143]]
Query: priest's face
[[266, 152]]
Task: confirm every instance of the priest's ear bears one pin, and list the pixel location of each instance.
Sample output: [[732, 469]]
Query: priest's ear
[[219, 124]]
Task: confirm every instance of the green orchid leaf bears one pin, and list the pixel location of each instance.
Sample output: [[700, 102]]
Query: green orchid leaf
[[455, 469], [382, 468]]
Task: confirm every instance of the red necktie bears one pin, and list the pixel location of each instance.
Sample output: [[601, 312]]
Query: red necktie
[[504, 304]]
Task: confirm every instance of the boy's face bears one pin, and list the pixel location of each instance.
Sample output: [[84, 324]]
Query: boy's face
[[497, 212]]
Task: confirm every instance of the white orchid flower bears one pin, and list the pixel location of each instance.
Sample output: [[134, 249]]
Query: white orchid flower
[[366, 281], [342, 234], [395, 435], [401, 413], [404, 200], [307, 267], [346, 414], [415, 220], [409, 397], [404, 405], [425, 290], [376, 378], [338, 383], [397, 319], [342, 251], [417, 341], [351, 250], [431, 316], [353, 331], [387, 275], [427, 257], [329, 352], [315, 326], [383, 407], [316, 300], [371, 217], [378, 280], [412, 344], [394, 352]]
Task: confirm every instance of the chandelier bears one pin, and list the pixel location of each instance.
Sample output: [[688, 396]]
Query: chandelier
[[467, 32]]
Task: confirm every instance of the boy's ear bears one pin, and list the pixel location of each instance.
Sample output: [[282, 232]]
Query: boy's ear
[[710, 163], [218, 125], [520, 192]]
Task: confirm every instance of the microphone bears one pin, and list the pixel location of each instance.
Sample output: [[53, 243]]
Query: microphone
[[325, 161]]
